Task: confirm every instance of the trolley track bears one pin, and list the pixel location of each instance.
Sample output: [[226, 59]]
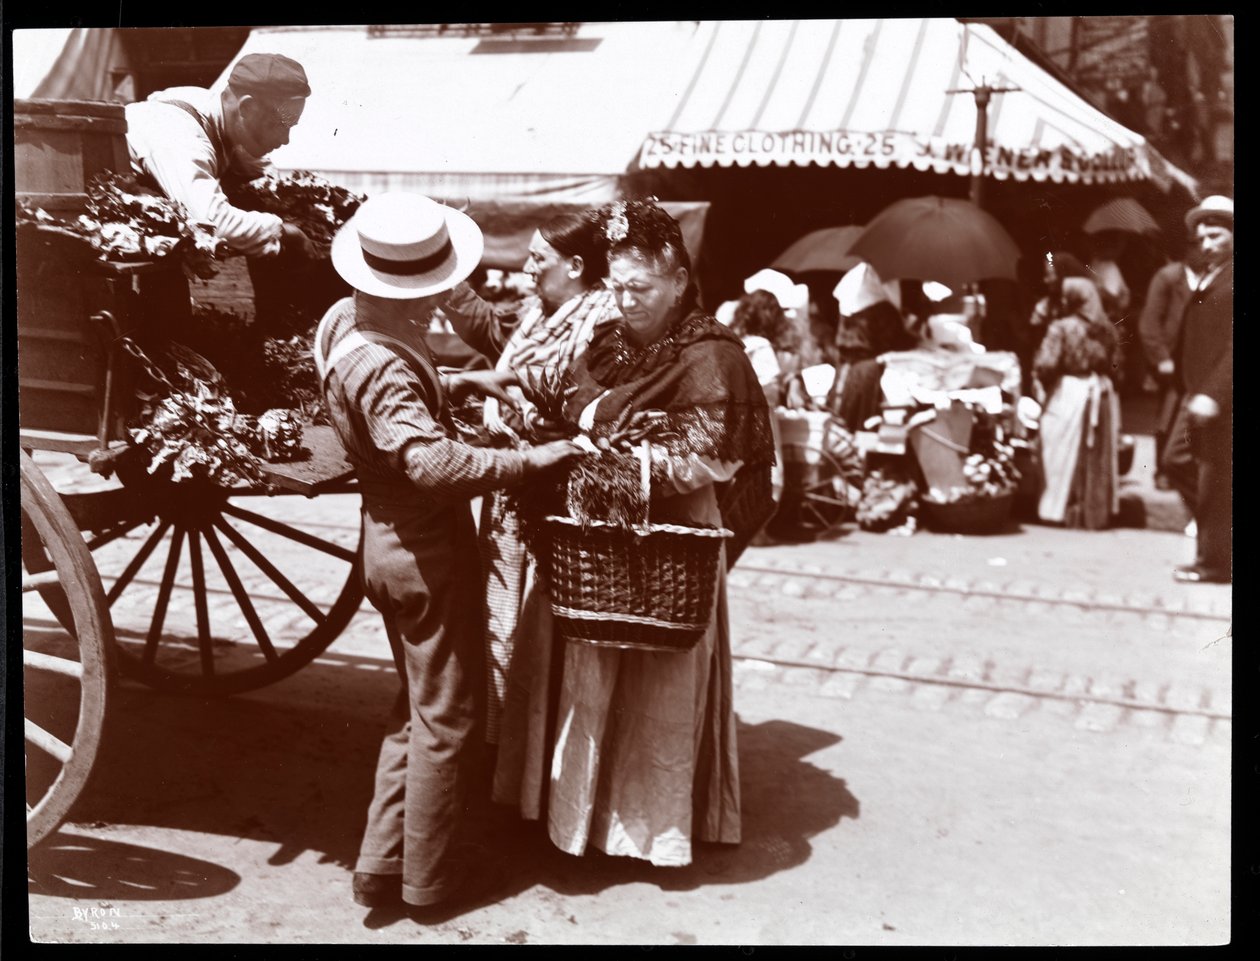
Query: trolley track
[[941, 678], [926, 585], [936, 586]]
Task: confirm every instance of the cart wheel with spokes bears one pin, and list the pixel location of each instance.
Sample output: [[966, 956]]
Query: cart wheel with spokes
[[66, 676], [216, 592], [817, 499]]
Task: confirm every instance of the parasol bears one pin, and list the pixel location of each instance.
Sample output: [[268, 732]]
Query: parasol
[[1124, 214], [944, 239], [826, 249]]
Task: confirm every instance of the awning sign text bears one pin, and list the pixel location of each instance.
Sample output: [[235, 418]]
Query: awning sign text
[[883, 149]]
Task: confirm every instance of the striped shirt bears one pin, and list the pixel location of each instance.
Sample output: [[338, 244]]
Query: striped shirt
[[377, 404]]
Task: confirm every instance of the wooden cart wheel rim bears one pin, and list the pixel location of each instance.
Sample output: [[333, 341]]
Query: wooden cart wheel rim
[[70, 557]]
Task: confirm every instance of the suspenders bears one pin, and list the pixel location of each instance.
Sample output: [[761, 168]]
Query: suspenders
[[220, 148], [434, 396]]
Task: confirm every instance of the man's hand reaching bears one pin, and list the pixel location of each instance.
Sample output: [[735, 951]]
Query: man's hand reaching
[[484, 383], [552, 454], [293, 240]]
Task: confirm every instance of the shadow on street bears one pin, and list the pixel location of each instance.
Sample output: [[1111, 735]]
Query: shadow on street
[[293, 766], [81, 868]]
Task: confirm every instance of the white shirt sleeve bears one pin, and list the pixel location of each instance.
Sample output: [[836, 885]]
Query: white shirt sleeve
[[169, 145], [689, 473]]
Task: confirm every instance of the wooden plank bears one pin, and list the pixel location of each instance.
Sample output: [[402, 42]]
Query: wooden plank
[[52, 440], [72, 336], [54, 201], [91, 125], [327, 466], [47, 106], [58, 386]]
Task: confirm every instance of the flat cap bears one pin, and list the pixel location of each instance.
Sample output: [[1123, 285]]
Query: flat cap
[[269, 75]]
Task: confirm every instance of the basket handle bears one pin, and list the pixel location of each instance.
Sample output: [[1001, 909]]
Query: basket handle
[[644, 454]]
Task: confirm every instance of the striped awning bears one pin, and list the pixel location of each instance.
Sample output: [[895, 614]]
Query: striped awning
[[441, 114], [888, 93]]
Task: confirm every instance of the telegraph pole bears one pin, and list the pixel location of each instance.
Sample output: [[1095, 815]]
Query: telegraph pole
[[983, 94]]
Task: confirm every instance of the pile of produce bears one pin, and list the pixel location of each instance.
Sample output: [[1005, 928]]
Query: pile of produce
[[301, 198], [889, 498], [192, 427], [261, 369], [126, 223], [604, 486], [989, 469]]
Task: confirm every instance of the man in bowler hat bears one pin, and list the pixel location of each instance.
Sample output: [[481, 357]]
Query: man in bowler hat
[[1198, 459]]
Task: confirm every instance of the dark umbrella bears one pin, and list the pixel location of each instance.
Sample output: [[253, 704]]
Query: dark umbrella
[[826, 249], [1124, 214], [950, 241]]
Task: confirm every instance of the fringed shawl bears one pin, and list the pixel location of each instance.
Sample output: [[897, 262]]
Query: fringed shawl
[[700, 377]]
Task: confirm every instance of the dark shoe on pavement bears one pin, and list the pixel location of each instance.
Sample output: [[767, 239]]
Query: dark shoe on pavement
[[1199, 575], [376, 890]]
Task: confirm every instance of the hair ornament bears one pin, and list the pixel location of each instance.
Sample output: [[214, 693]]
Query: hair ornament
[[618, 225]]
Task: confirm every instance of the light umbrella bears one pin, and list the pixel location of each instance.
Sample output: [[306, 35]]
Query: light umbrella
[[826, 249], [944, 239], [1124, 214]]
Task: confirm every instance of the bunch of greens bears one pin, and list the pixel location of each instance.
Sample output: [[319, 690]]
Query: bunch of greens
[[261, 370], [607, 487], [301, 198], [889, 498], [124, 222], [190, 425]]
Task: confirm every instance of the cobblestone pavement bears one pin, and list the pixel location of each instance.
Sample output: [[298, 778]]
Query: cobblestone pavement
[[962, 641], [943, 741]]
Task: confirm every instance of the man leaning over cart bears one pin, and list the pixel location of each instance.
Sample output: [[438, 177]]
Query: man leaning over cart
[[186, 141]]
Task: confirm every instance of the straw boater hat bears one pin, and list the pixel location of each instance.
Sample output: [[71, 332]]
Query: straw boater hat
[[405, 246], [1215, 208]]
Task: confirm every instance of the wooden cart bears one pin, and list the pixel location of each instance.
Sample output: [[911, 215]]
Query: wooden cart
[[186, 587]]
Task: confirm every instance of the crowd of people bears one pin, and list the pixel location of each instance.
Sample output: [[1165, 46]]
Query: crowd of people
[[626, 752]]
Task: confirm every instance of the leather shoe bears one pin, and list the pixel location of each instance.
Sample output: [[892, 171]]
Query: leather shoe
[[1194, 574], [376, 890]]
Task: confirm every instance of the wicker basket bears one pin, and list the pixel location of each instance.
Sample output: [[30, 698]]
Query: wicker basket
[[971, 516], [647, 589]]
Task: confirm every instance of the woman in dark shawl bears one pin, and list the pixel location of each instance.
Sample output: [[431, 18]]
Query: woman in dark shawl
[[640, 757]]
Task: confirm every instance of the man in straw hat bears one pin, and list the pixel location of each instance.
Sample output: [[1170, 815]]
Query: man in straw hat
[[1199, 457], [402, 253], [186, 140]]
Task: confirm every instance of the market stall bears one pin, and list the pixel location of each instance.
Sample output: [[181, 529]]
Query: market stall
[[952, 443]]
